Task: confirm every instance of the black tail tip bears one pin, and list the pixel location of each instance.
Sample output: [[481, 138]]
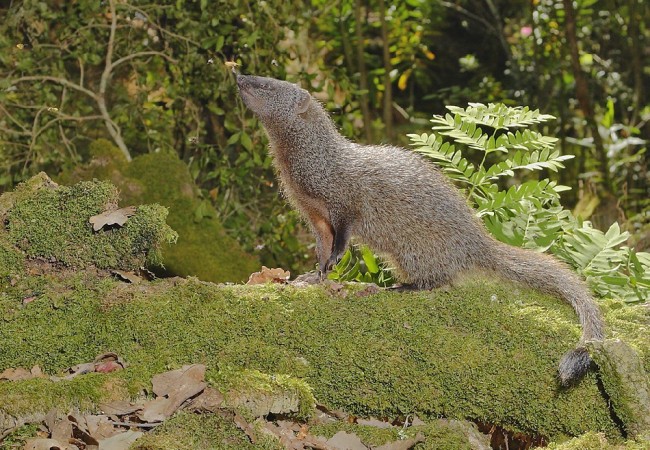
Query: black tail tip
[[574, 365]]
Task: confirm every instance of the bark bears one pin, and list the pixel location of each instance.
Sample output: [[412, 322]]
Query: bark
[[582, 91], [388, 87], [363, 73]]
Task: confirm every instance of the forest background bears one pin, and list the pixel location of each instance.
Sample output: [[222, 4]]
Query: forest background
[[151, 78]]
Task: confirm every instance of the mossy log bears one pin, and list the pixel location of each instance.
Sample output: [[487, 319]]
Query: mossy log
[[203, 249], [483, 350]]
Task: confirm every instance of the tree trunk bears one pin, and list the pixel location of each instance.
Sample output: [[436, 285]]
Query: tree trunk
[[363, 74], [388, 87], [582, 92]]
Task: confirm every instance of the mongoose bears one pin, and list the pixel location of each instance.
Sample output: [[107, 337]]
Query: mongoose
[[399, 204]]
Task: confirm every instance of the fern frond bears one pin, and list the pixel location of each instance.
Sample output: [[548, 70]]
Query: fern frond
[[445, 154], [499, 116]]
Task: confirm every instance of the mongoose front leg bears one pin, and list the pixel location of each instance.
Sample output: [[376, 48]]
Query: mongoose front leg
[[342, 234], [324, 234]]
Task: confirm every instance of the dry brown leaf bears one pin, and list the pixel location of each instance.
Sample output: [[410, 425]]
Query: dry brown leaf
[[404, 444], [246, 427], [100, 426], [44, 444], [106, 362], [16, 374], [369, 290], [167, 382], [80, 430], [108, 366], [80, 369], [372, 422], [157, 410], [285, 435], [62, 430], [127, 277], [19, 374], [210, 400], [121, 441], [173, 388], [417, 422], [119, 408], [267, 275], [346, 441], [108, 218]]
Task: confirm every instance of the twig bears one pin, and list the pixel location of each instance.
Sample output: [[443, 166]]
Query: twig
[[139, 54], [59, 80], [112, 128], [135, 424]]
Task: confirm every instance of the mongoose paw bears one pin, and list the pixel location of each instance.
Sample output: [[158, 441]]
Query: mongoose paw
[[403, 288], [331, 262]]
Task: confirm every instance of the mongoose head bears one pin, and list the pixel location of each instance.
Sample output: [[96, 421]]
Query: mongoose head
[[272, 99]]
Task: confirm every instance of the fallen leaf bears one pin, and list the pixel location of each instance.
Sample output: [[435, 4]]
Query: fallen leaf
[[109, 356], [267, 275], [346, 441], [127, 277], [369, 290], [62, 430], [50, 418], [100, 426], [285, 435], [80, 430], [119, 408], [245, 427], [108, 218], [157, 410], [404, 444], [121, 441], [29, 299], [16, 374], [210, 400], [417, 421], [108, 366], [79, 369], [43, 444], [173, 388], [106, 362], [372, 422], [167, 382]]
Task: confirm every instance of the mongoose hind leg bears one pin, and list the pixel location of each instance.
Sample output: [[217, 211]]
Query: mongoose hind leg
[[342, 234]]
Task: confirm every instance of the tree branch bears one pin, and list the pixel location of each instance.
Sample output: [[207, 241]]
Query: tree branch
[[112, 128], [61, 81], [140, 54]]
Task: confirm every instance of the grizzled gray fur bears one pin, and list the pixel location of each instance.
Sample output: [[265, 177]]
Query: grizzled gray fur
[[400, 205]]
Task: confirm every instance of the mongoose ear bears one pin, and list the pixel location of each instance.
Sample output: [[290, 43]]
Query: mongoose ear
[[303, 101]]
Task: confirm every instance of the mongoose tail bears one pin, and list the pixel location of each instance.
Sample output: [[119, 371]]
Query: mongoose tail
[[545, 273]]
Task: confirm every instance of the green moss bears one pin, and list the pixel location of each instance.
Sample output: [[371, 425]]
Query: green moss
[[12, 261], [187, 431], [438, 436], [106, 162], [261, 394], [17, 438], [51, 222], [596, 441], [39, 395], [632, 324], [203, 248], [480, 351]]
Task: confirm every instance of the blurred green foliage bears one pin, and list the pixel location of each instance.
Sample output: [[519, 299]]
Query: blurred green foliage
[[151, 76]]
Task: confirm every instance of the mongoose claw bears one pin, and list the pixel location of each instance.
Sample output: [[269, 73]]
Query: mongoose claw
[[331, 262]]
